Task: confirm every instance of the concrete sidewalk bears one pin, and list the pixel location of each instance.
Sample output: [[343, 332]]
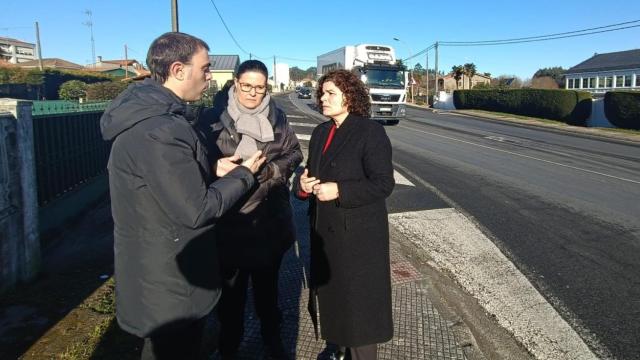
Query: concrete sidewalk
[[419, 330]]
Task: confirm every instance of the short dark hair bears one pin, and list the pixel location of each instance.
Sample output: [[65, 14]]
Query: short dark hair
[[354, 90], [169, 48], [252, 65]]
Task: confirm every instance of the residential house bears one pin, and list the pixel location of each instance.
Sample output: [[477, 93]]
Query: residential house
[[16, 51], [128, 68], [223, 68], [605, 72], [448, 82], [53, 63]]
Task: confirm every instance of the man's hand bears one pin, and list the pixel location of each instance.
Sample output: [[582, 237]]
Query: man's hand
[[307, 183], [254, 162], [226, 164], [326, 191]]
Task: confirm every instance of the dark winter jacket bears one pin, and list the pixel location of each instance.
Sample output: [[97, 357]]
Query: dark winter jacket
[[350, 236], [259, 229], [164, 203]]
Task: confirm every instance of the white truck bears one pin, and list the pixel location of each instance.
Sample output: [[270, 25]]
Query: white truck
[[377, 68]]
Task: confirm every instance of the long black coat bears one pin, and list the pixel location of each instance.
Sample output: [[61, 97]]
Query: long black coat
[[164, 202], [350, 236], [260, 236]]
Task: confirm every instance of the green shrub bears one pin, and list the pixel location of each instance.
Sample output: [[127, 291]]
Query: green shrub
[[72, 90], [106, 90], [622, 109], [572, 107], [54, 78]]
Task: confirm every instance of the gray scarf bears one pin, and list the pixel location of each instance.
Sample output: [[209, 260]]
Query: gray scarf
[[253, 124]]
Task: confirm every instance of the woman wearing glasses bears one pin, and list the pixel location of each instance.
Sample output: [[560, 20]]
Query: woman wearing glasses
[[254, 236]]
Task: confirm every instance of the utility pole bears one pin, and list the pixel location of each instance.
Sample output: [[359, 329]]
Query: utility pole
[[89, 23], [174, 16], [427, 65], [126, 63], [39, 47], [275, 83], [436, 94]]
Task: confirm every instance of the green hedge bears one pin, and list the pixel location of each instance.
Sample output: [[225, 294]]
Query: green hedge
[[53, 79], [107, 90], [623, 109], [572, 107]]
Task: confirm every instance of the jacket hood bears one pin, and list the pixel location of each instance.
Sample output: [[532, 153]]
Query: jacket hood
[[139, 102]]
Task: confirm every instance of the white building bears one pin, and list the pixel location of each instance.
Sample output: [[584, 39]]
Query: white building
[[605, 72], [281, 75], [16, 51]]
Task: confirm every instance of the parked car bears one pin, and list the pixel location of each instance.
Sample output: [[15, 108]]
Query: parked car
[[304, 93]]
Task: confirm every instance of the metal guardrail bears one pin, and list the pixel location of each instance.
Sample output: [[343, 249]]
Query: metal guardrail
[[69, 149], [48, 107]]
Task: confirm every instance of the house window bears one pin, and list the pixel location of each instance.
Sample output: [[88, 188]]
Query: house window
[[585, 83], [627, 80], [619, 80], [592, 83], [608, 81], [570, 83], [637, 80], [601, 80]]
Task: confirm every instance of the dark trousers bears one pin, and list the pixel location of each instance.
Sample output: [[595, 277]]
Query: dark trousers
[[180, 343], [366, 352], [231, 307]]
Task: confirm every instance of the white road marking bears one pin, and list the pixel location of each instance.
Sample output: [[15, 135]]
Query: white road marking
[[459, 248], [303, 137], [302, 124], [401, 180], [522, 155]]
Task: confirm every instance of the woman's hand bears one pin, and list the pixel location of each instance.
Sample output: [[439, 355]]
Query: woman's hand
[[307, 183], [326, 191]]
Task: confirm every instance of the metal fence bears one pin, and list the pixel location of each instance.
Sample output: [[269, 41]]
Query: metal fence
[[49, 107], [69, 149]]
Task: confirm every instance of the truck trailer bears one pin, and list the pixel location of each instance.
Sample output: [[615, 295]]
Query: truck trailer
[[377, 67]]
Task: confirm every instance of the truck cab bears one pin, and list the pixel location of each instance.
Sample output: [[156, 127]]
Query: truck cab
[[377, 67]]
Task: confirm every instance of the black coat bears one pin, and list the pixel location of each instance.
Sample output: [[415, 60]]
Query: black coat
[[164, 203], [259, 229], [350, 267]]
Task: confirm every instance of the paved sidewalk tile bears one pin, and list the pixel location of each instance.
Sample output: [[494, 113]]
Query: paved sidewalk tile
[[419, 331]]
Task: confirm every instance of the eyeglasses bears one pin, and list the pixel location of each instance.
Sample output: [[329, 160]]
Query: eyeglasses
[[260, 89]]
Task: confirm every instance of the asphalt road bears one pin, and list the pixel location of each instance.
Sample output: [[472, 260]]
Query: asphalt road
[[565, 209]]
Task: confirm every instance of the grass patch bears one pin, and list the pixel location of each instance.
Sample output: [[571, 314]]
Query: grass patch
[[105, 301], [555, 123], [84, 349]]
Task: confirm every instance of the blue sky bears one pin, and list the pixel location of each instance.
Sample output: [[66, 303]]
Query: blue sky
[[304, 29]]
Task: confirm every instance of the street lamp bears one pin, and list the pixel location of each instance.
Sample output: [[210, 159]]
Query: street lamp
[[409, 65]]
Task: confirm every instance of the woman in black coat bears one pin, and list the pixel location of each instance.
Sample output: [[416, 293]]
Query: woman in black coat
[[349, 175], [253, 237]]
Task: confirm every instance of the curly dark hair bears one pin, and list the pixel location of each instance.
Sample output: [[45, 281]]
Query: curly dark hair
[[354, 90]]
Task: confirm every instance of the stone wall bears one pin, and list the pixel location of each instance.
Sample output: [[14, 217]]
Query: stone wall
[[19, 237]]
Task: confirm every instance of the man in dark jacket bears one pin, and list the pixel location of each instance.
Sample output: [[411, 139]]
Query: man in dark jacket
[[164, 201]]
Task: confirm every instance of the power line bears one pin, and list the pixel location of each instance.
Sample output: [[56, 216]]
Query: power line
[[537, 40], [227, 28], [562, 35], [541, 36], [246, 52]]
